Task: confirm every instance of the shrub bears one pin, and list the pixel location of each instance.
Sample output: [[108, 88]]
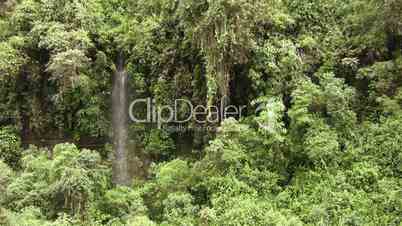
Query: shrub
[[65, 184], [10, 150], [120, 203], [140, 221], [179, 209], [5, 178]]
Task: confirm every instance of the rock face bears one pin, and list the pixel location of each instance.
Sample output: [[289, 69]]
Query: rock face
[[120, 124]]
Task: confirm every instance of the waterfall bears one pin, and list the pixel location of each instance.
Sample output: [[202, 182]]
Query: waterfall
[[120, 124]]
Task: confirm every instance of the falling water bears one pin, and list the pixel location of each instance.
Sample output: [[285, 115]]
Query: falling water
[[120, 124]]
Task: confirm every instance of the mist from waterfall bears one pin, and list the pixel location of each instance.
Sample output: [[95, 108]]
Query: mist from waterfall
[[120, 124]]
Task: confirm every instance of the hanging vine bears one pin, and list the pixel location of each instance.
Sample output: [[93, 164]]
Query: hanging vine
[[225, 36]]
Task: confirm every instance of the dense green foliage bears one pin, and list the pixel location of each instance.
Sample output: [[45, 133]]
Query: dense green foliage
[[320, 143]]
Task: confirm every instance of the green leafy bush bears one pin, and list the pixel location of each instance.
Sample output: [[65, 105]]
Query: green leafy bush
[[65, 184], [179, 210], [6, 175], [10, 150], [120, 203], [158, 142]]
